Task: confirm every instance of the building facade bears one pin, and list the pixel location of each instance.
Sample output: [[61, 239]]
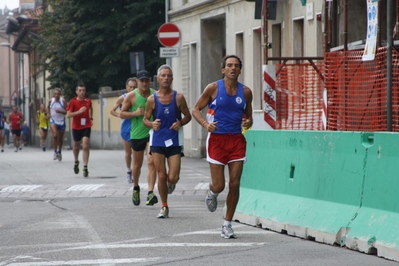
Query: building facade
[[211, 29]]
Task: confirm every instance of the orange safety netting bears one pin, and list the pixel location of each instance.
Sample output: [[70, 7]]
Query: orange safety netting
[[299, 96], [357, 93]]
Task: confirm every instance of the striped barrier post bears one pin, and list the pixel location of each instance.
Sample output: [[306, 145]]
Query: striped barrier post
[[269, 95], [324, 112]]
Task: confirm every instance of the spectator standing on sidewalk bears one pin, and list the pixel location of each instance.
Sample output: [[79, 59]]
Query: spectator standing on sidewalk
[[228, 101], [42, 119], [16, 119], [166, 134], [80, 109], [126, 125], [133, 109]]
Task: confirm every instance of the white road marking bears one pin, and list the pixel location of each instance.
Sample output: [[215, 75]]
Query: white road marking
[[264, 232], [163, 245], [86, 262], [205, 186], [144, 186], [199, 186], [86, 187], [20, 188]]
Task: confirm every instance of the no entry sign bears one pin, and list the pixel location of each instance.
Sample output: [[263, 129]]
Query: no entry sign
[[168, 34]]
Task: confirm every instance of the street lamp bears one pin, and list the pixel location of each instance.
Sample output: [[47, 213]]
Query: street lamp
[[7, 44]]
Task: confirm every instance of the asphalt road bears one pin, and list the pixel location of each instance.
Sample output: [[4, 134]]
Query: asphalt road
[[50, 216]]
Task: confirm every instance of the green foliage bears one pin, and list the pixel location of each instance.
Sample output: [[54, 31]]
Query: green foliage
[[90, 41]]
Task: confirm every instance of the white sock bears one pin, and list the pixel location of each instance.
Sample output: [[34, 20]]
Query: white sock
[[213, 193], [129, 170], [226, 223]]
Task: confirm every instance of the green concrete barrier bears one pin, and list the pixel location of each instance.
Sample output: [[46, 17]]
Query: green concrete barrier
[[323, 185], [376, 227]]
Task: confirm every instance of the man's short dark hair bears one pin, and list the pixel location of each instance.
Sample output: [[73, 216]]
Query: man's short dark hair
[[134, 79], [230, 56], [81, 84]]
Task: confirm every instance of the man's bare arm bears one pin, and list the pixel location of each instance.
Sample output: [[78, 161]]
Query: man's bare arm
[[149, 108], [206, 97], [182, 103], [127, 104], [116, 106], [248, 120]]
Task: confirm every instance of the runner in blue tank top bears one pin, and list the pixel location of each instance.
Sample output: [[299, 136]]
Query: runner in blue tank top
[[166, 106], [229, 112], [168, 114], [227, 109], [131, 84]]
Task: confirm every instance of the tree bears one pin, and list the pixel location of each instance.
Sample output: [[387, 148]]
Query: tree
[[90, 41]]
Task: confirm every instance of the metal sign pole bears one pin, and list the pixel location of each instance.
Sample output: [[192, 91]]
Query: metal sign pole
[[168, 59]]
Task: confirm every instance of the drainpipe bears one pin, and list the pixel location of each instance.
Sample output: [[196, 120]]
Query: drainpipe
[[379, 19], [346, 25], [23, 83], [101, 119], [30, 103], [9, 73], [265, 32], [326, 25]]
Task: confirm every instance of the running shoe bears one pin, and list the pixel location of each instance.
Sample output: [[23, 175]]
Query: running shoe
[[151, 199], [171, 187], [20, 148], [85, 171], [55, 157], [136, 197], [43, 148], [129, 177], [59, 157], [227, 232], [164, 213], [2, 150], [16, 149], [211, 201], [76, 167]]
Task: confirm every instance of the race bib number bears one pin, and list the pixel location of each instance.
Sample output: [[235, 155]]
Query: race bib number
[[168, 143]]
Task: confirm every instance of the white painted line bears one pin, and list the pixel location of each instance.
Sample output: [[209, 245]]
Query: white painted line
[[87, 187], [144, 186], [205, 186], [161, 245], [260, 232], [20, 188], [86, 262], [201, 186]]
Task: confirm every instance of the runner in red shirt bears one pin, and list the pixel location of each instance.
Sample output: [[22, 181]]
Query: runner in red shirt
[[16, 119], [80, 109]]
